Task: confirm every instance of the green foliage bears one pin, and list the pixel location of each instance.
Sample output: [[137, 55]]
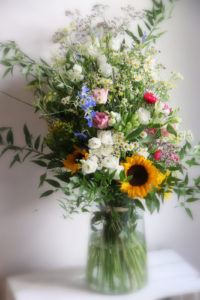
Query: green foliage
[[153, 18]]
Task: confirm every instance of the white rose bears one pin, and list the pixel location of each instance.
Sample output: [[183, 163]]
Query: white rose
[[93, 158], [143, 115], [117, 173], [115, 43], [102, 151], [105, 136], [94, 143], [110, 162], [101, 59], [106, 150], [89, 166]]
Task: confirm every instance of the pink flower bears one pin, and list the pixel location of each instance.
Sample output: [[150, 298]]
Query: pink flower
[[152, 131], [100, 120], [157, 155], [164, 132], [175, 157], [166, 107], [100, 95], [150, 98]]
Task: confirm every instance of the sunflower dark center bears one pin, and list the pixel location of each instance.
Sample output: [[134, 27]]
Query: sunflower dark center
[[139, 173]]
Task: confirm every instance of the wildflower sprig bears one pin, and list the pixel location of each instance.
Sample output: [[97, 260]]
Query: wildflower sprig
[[113, 136]]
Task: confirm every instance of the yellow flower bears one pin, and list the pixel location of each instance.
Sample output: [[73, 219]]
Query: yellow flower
[[144, 175]]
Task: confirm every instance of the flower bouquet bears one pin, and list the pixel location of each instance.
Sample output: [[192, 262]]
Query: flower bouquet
[[114, 144]]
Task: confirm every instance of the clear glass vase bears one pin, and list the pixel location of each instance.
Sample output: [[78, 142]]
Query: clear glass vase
[[117, 257]]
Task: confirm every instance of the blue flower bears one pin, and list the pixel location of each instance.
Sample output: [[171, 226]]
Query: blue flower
[[144, 37], [81, 134], [84, 92], [87, 104]]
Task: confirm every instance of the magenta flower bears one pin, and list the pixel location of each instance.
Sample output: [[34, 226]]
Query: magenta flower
[[100, 95], [100, 120], [157, 155]]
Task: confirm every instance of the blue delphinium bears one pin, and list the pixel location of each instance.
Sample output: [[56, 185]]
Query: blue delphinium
[[80, 134], [87, 103]]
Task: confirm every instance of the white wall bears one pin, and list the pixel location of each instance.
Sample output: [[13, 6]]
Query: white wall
[[33, 234]]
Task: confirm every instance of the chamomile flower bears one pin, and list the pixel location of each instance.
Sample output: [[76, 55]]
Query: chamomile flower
[[137, 77], [65, 100], [143, 134], [136, 63], [136, 145], [124, 100], [136, 92], [131, 147]]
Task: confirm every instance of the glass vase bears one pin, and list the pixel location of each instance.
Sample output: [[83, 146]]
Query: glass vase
[[117, 257]]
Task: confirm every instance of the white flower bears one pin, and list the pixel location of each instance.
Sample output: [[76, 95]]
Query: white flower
[[143, 134], [143, 152], [117, 173], [101, 59], [76, 73], [115, 43], [114, 118], [93, 158], [94, 143], [105, 136], [110, 162], [105, 69], [89, 166], [159, 106], [90, 50], [103, 151], [143, 115], [77, 68]]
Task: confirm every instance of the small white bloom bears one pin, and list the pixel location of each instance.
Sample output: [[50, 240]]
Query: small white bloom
[[117, 173], [94, 143], [115, 43], [143, 152], [110, 162], [114, 118], [143, 134], [143, 115], [131, 147], [105, 69], [105, 136], [136, 144], [89, 166], [76, 73], [77, 68], [65, 100], [101, 59]]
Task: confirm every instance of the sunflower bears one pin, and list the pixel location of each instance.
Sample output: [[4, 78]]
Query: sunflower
[[72, 160], [144, 175]]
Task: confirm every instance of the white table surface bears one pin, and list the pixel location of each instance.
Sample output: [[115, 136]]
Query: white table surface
[[169, 275]]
